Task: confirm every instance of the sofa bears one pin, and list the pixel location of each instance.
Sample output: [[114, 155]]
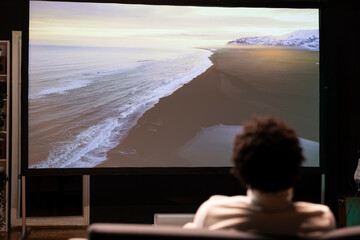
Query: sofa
[[114, 231]]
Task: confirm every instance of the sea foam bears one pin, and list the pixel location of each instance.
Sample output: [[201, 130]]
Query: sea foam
[[161, 78]]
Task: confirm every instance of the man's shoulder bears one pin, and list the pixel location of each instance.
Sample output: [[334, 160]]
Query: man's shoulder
[[318, 215], [314, 209], [219, 205], [227, 200], [309, 206]]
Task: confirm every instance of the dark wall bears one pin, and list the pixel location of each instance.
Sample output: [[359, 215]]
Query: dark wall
[[12, 17], [342, 98], [135, 198], [349, 114]]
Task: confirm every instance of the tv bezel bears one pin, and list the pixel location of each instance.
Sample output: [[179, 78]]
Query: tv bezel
[[300, 4]]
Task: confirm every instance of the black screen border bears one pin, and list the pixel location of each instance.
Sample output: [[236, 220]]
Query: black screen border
[[25, 171]]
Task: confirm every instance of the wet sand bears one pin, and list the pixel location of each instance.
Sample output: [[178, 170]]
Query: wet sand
[[240, 84]]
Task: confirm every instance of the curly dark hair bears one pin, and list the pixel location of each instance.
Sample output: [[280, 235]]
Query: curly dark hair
[[267, 155]]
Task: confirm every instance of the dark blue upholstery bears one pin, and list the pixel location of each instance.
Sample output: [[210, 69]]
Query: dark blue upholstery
[[110, 231], [149, 232], [347, 233]]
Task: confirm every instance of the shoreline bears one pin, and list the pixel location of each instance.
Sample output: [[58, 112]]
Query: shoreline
[[232, 90]]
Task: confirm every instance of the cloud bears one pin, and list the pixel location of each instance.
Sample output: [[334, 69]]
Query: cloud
[[63, 21]]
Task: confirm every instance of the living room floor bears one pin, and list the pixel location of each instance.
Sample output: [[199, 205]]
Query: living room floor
[[46, 233]]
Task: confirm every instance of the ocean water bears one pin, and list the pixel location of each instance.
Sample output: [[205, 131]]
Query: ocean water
[[83, 101]]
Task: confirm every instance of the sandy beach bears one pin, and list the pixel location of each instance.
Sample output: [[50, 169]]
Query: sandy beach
[[240, 84]]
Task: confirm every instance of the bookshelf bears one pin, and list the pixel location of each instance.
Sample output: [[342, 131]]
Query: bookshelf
[[4, 132]]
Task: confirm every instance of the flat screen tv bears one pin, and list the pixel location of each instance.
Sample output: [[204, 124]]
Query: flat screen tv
[[124, 86]]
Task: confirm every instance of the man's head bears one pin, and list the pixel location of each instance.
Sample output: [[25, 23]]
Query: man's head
[[267, 155]]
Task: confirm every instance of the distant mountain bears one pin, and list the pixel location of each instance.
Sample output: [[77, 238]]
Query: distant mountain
[[306, 39]]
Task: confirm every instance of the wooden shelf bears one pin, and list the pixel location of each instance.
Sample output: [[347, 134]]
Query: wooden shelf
[[4, 135]]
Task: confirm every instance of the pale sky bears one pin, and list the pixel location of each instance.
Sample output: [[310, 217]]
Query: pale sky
[[123, 25]]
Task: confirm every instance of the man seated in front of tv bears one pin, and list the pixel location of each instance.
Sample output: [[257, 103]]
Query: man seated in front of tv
[[267, 157]]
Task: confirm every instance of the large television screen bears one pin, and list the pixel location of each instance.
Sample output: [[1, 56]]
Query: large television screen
[[158, 86]]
